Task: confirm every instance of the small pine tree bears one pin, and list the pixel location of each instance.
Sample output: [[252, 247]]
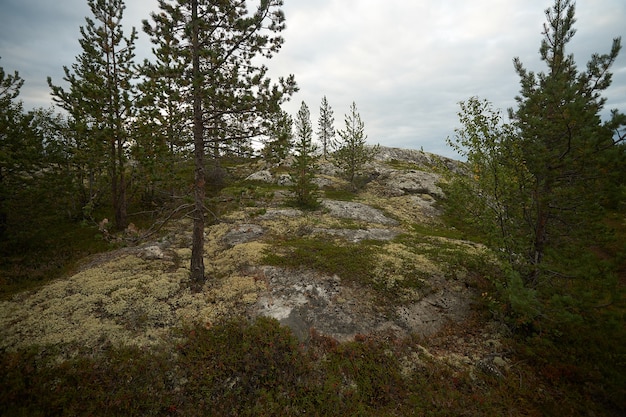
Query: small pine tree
[[305, 159], [326, 132], [352, 153]]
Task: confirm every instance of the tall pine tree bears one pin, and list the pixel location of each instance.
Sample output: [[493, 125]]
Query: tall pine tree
[[562, 138], [100, 96], [326, 132], [305, 160], [218, 56]]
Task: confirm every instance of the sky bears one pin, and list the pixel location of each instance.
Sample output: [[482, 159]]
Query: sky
[[405, 63]]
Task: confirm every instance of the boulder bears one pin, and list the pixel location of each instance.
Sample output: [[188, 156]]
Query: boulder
[[263, 176], [413, 182], [357, 211], [243, 233]]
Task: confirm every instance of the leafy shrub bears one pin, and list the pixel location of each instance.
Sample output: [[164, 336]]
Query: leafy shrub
[[242, 369]]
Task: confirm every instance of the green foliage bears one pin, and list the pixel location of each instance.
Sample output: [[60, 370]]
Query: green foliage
[[524, 304], [531, 189], [304, 189], [562, 140], [280, 142], [491, 197], [326, 132], [100, 97], [352, 152], [352, 262], [242, 369]]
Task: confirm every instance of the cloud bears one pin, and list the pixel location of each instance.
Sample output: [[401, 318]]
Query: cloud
[[406, 64]]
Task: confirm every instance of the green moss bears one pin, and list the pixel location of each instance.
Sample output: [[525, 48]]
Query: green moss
[[352, 262]]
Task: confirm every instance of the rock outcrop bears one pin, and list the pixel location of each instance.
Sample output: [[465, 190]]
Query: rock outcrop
[[141, 292]]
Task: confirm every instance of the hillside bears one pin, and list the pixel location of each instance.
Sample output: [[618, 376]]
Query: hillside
[[375, 268], [416, 279]]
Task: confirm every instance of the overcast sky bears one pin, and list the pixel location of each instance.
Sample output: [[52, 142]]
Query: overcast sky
[[406, 63]]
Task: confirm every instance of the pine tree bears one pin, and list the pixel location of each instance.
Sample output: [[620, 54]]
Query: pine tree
[[101, 94], [305, 160], [217, 60], [280, 141], [562, 137], [162, 134], [326, 132], [352, 153], [14, 129]]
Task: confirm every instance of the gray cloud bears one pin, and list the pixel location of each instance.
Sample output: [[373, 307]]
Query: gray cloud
[[405, 64]]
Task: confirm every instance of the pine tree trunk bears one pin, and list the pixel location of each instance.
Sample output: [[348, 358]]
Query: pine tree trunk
[[121, 220], [197, 249]]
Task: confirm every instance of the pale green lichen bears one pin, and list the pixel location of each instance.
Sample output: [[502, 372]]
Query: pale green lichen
[[396, 264], [127, 301]]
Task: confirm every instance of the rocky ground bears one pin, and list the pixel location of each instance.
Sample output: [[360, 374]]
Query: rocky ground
[[420, 283]]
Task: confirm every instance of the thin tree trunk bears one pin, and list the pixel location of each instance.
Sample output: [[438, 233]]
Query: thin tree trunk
[[197, 250], [121, 212]]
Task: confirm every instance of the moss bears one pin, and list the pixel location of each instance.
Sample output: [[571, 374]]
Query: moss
[[351, 262]]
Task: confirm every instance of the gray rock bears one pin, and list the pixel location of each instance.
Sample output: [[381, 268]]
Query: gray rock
[[414, 182], [152, 252], [243, 233], [272, 214], [264, 176], [357, 211], [284, 180], [407, 155], [322, 182], [357, 235]]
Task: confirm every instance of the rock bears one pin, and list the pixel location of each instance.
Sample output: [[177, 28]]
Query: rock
[[152, 252], [488, 366], [426, 204], [263, 176], [284, 180], [428, 315], [500, 362], [407, 155], [328, 168], [357, 235], [420, 158], [357, 211], [272, 214], [322, 182], [242, 234], [414, 182]]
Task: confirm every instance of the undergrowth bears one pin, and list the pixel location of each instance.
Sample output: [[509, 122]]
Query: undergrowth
[[259, 368]]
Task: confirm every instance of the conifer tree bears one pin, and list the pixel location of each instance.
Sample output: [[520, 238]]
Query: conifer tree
[[326, 132], [280, 141], [13, 153], [100, 97], [305, 159], [352, 153], [562, 137], [162, 134], [218, 59]]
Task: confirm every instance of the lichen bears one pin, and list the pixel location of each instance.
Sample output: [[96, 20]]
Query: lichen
[[126, 300]]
